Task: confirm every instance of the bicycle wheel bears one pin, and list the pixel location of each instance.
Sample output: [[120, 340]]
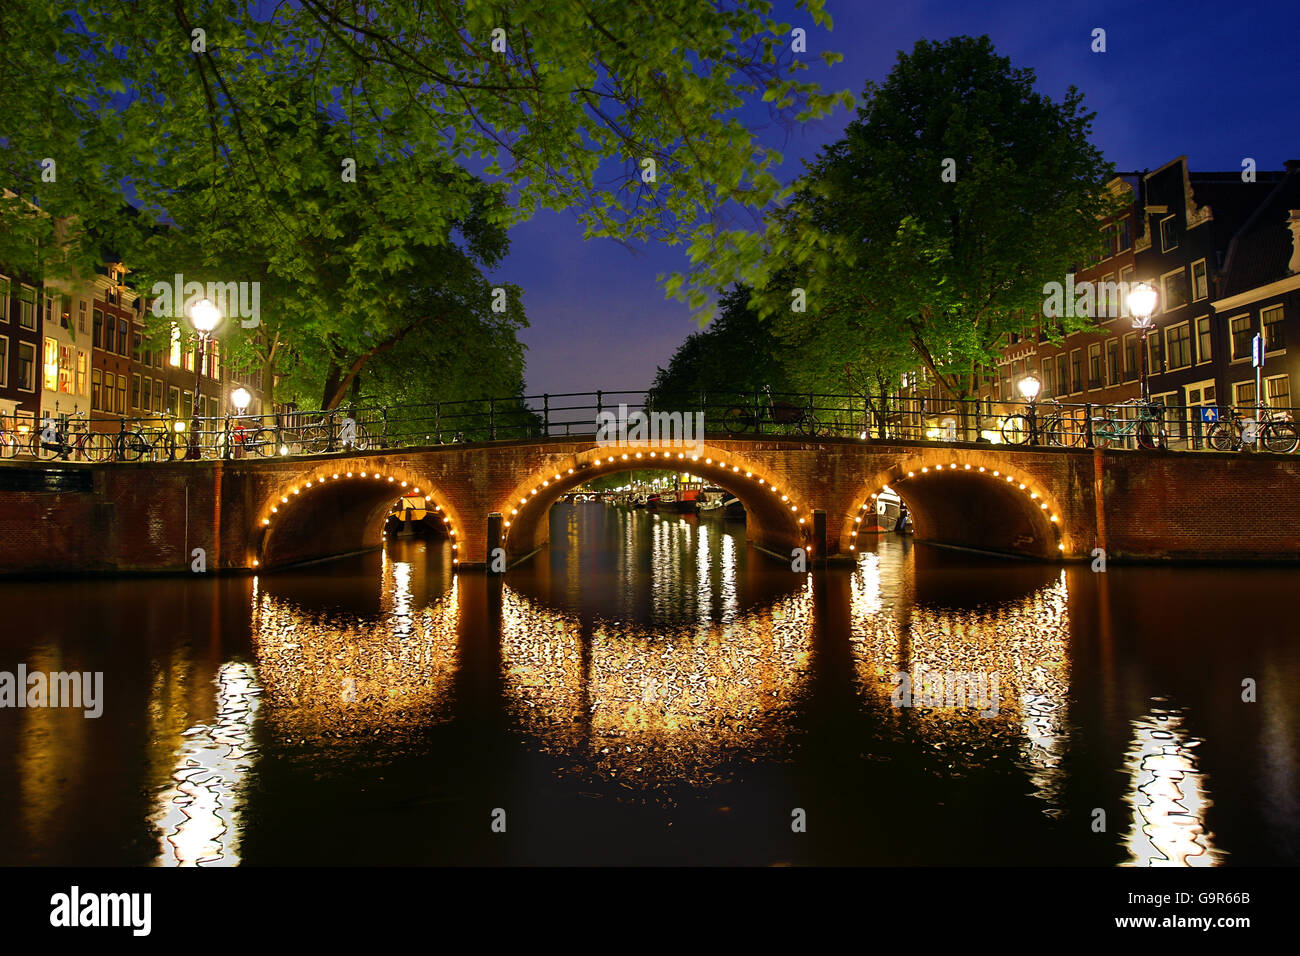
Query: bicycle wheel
[[361, 441], [1015, 429], [46, 451], [1281, 438], [262, 444], [313, 439], [1149, 437], [1223, 437], [808, 426], [737, 419], [97, 447], [131, 446]]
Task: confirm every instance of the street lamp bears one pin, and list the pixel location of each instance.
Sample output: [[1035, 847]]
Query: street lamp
[[1029, 387], [240, 399], [1142, 305], [205, 318]]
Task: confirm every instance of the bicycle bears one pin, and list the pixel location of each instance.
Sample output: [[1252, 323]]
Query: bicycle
[[740, 418], [69, 435], [1147, 427], [348, 434], [14, 441], [157, 443], [1058, 426], [1273, 431]]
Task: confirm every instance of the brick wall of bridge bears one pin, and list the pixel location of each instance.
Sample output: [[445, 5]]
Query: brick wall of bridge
[[246, 514]]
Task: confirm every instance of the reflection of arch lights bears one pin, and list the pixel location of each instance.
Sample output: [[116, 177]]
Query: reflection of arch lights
[[1031, 494], [324, 478], [734, 469]]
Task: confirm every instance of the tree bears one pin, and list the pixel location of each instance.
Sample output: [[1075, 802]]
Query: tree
[[925, 236], [737, 354], [623, 110]]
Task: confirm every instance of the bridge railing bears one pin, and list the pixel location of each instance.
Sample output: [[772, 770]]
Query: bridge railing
[[621, 415]]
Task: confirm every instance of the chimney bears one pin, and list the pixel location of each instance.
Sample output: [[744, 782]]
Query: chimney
[[1293, 221]]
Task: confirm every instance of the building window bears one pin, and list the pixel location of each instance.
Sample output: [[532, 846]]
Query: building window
[[1062, 380], [1112, 362], [175, 358], [1076, 370], [110, 334], [1155, 353], [121, 395], [1130, 355], [157, 395], [214, 360], [83, 362], [26, 366], [1108, 239], [135, 391], [1274, 334], [1178, 345], [1241, 336], [1094, 365], [26, 308], [123, 337], [174, 401], [1168, 234], [1174, 290], [1200, 281], [1108, 299], [95, 398], [50, 366], [135, 345], [81, 315], [99, 329], [4, 361], [1243, 394], [1278, 390], [1049, 382], [1125, 233], [5, 292], [146, 394], [1204, 342]]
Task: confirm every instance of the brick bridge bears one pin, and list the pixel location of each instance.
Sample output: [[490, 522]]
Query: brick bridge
[[1041, 503]]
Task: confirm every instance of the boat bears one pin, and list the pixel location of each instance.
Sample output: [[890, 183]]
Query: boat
[[688, 501], [711, 500], [733, 507], [888, 507]]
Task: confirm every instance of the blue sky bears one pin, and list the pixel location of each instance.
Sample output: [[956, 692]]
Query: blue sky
[[1211, 81]]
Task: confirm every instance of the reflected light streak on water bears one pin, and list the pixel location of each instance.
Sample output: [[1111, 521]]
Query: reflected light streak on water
[[198, 816], [1168, 795]]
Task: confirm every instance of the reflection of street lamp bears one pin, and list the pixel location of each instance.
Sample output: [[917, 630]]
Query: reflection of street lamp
[[205, 318], [1029, 386], [1142, 305]]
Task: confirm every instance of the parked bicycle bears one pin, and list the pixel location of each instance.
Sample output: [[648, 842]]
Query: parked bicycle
[[151, 443], [793, 418], [1145, 424], [69, 437], [1270, 430], [1053, 424]]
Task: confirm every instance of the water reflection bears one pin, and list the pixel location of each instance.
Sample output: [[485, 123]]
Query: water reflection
[[332, 673], [657, 707], [1018, 640], [198, 815], [1168, 795]]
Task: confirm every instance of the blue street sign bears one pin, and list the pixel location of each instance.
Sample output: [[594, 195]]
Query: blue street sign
[[1257, 351], [1210, 414]]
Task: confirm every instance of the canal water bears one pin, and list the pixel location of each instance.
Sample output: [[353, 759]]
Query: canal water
[[650, 690]]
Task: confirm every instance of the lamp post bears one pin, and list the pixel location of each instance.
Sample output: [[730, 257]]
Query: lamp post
[[1142, 305], [1029, 386], [240, 399], [205, 318]]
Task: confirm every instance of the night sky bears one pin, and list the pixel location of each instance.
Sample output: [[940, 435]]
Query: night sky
[[1215, 82]]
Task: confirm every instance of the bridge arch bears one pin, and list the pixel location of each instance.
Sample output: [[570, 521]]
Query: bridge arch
[[777, 520], [338, 507], [966, 498]]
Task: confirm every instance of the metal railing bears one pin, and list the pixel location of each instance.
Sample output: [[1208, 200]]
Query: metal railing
[[620, 416]]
